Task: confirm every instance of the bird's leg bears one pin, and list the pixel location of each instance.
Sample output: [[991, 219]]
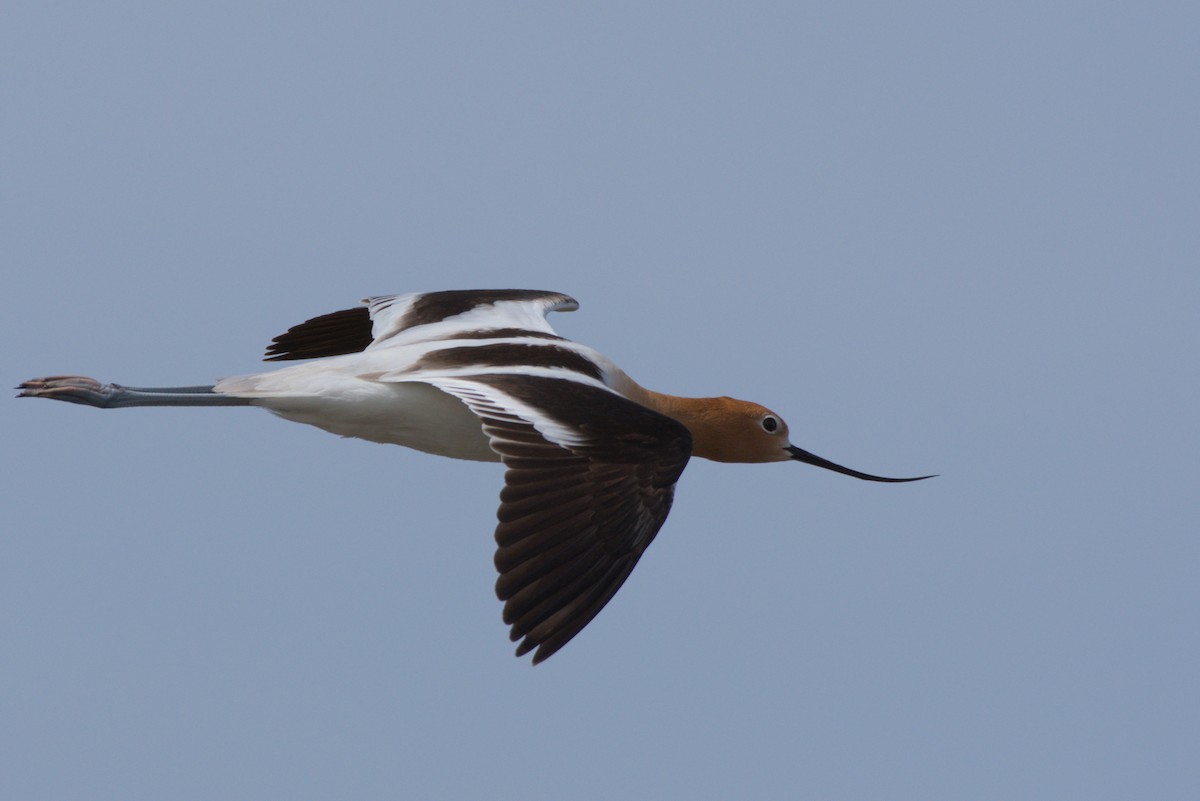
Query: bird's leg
[[90, 392]]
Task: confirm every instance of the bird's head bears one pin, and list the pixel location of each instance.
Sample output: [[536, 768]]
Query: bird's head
[[731, 430]]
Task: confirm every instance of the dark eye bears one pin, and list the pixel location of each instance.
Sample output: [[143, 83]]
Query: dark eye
[[770, 424]]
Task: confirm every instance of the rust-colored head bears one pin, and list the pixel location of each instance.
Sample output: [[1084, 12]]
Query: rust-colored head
[[730, 430]]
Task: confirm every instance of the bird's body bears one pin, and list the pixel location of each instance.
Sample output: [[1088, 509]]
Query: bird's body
[[592, 456], [414, 414], [389, 392]]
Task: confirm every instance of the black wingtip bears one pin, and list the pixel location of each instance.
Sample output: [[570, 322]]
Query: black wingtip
[[333, 334]]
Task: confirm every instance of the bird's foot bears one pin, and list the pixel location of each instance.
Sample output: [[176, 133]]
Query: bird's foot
[[69, 388]]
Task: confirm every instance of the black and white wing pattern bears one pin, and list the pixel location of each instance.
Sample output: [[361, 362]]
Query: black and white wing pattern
[[401, 319], [591, 474], [589, 483]]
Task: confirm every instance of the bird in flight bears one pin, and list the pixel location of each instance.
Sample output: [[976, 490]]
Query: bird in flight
[[592, 456]]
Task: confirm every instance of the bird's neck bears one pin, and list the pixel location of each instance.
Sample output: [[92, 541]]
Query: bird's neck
[[700, 415]]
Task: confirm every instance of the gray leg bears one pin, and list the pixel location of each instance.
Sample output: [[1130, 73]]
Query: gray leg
[[90, 392]]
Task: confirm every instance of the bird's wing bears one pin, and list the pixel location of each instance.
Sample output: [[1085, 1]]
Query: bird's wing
[[401, 319], [589, 483]]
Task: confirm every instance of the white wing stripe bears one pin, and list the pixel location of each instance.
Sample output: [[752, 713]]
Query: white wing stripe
[[485, 400]]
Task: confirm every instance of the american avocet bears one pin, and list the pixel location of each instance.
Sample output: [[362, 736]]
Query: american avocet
[[592, 456]]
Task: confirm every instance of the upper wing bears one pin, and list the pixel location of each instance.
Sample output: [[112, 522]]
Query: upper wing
[[589, 483], [418, 316]]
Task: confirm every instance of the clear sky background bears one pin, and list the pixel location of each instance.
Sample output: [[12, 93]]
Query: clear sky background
[[936, 237]]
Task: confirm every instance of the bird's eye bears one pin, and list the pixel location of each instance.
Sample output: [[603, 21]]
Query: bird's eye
[[770, 424]]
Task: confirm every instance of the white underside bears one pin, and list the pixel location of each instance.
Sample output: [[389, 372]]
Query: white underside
[[382, 394], [409, 413]]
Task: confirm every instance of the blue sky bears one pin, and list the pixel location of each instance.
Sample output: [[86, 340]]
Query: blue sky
[[935, 237]]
